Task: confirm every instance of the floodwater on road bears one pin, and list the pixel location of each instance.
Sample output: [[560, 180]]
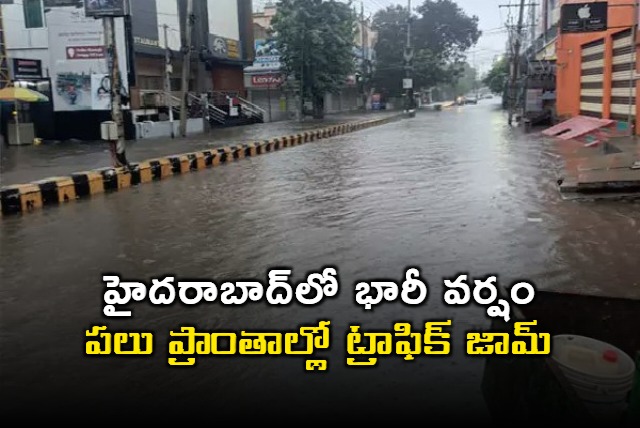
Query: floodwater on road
[[448, 192]]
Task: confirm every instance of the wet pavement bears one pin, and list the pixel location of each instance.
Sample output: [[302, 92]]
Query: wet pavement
[[451, 191], [22, 164]]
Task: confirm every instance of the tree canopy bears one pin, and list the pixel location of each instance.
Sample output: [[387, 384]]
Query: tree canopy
[[316, 40], [441, 33], [496, 79]]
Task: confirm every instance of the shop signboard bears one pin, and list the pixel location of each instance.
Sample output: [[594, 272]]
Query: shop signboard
[[584, 17], [266, 80], [26, 68]]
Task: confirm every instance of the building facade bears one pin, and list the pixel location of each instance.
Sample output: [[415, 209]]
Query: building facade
[[264, 78], [70, 50], [592, 73], [596, 71]]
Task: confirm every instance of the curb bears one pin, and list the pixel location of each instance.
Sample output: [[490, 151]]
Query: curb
[[53, 191]]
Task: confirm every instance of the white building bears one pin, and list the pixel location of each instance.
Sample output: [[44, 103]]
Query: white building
[[71, 51]]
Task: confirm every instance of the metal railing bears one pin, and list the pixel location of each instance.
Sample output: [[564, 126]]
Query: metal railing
[[195, 107], [252, 110], [247, 108], [210, 111]]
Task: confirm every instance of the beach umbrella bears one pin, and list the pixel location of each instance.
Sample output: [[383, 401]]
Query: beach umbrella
[[16, 94]]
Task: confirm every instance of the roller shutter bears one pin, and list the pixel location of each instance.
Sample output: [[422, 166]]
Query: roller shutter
[[591, 79], [623, 88]]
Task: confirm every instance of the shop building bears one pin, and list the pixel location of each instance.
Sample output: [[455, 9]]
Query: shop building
[[69, 48], [596, 70]]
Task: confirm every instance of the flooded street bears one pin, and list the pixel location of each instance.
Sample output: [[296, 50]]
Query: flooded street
[[448, 192]]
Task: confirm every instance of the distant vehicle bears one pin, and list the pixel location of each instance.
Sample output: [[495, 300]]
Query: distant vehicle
[[460, 101], [472, 99], [488, 97]]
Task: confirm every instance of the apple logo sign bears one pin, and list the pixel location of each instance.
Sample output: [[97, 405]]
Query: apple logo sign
[[584, 12]]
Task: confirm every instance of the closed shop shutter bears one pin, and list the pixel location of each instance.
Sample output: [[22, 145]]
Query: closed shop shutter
[[591, 79], [262, 97], [623, 88]]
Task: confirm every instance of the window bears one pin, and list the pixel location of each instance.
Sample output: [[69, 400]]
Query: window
[[33, 17]]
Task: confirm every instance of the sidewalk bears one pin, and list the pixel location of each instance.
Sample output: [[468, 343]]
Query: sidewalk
[[603, 169], [22, 164]]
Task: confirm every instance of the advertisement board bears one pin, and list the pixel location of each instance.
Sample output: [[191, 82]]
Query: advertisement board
[[99, 8], [77, 54], [267, 57]]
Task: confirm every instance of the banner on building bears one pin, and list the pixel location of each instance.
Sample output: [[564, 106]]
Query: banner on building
[[584, 17], [102, 8], [79, 60], [266, 47], [26, 68], [267, 57], [100, 92]]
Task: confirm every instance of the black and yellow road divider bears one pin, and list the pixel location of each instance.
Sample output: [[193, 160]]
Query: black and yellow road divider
[[26, 198]]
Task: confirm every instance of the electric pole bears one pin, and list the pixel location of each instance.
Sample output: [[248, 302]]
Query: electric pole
[[532, 22], [408, 57], [187, 30], [302, 47], [168, 69], [117, 146], [363, 65], [515, 69]]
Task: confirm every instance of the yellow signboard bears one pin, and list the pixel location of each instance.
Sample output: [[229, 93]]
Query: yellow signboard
[[232, 49]]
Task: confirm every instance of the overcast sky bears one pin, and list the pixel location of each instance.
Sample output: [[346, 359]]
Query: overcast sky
[[492, 21]]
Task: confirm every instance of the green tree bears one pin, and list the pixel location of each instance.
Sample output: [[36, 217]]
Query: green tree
[[441, 34], [496, 78], [316, 40]]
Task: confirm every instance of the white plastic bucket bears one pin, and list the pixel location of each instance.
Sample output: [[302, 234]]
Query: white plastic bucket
[[595, 379]]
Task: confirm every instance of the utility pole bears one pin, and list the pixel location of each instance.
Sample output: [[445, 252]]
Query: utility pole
[[408, 57], [532, 22], [302, 47], [515, 69], [117, 146], [168, 69], [363, 65], [187, 30]]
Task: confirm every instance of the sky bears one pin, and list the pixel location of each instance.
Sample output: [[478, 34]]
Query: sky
[[492, 21]]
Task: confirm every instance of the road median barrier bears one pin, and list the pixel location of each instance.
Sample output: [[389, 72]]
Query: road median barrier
[[30, 197]]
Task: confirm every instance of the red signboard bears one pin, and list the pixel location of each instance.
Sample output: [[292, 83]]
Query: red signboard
[[264, 80], [85, 52]]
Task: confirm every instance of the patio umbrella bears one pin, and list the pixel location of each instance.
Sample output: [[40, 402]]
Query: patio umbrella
[[12, 93], [15, 94]]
